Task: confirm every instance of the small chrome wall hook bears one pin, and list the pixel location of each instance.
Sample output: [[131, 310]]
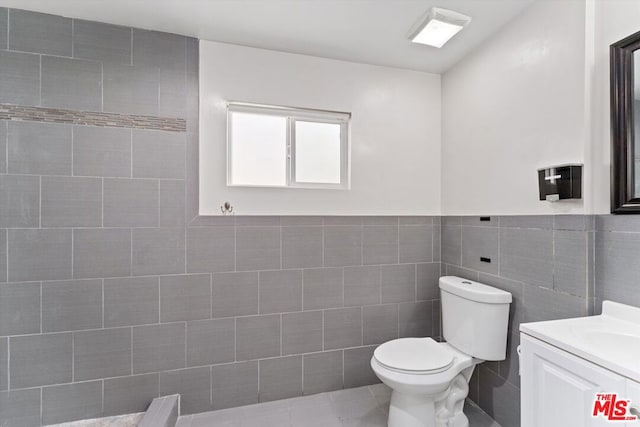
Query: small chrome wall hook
[[226, 208]]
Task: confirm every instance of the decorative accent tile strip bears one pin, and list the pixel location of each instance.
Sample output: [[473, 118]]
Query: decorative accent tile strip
[[91, 118]]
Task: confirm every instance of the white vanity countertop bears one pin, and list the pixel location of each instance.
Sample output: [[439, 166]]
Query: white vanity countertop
[[611, 340]]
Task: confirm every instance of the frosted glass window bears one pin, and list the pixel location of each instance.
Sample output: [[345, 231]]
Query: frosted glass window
[[317, 152], [270, 146], [258, 149]]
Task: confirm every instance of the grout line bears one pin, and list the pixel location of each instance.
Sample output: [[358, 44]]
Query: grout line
[[398, 317], [73, 238], [131, 153], [302, 374], [103, 303], [342, 368], [302, 290], [361, 326], [433, 241], [131, 354], [323, 342], [361, 244], [499, 260], [131, 257], [398, 239], [6, 146], [158, 209], [415, 282], [40, 308], [380, 283], [158, 72], [186, 270], [159, 301], [323, 228], [73, 357], [72, 146], [131, 47], [6, 254], [40, 203], [460, 259], [280, 243], [8, 27], [102, 86], [102, 396], [73, 36], [102, 210], [342, 273], [8, 363], [211, 296], [281, 334], [40, 79]]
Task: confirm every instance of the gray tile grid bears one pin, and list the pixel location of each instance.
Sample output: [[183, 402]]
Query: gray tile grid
[[545, 262], [122, 297]]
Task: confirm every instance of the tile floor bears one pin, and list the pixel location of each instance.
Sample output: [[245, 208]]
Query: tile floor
[[356, 407]]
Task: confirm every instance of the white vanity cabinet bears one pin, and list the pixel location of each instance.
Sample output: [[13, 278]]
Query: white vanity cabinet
[[565, 363], [558, 388]]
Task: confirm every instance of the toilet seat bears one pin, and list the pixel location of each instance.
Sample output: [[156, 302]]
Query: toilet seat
[[418, 356]]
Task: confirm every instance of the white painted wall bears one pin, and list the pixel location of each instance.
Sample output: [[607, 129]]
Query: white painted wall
[[613, 21], [395, 131], [517, 103]]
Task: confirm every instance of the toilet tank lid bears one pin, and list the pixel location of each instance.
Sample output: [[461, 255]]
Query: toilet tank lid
[[474, 291]]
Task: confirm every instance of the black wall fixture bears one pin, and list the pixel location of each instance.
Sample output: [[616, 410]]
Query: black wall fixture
[[625, 118]]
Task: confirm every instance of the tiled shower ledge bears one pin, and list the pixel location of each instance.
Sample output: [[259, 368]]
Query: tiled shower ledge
[[129, 420], [356, 407]]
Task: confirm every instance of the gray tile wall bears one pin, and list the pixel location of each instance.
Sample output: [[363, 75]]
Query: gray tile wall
[[555, 267], [112, 291], [546, 264], [617, 259]]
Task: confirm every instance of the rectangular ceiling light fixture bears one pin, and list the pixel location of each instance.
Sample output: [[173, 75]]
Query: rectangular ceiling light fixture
[[437, 27]]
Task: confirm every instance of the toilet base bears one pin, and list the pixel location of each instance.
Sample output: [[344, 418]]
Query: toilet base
[[445, 410], [411, 411]]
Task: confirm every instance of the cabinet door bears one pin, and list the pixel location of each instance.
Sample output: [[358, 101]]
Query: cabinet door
[[558, 389]]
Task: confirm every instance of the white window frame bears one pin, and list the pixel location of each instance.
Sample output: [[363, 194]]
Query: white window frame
[[293, 115]]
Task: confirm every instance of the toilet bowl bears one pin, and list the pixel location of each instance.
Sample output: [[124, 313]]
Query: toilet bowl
[[424, 391], [429, 380]]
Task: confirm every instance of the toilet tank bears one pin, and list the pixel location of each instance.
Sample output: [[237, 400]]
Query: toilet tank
[[475, 317]]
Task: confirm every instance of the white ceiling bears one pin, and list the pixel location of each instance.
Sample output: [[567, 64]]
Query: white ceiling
[[367, 31]]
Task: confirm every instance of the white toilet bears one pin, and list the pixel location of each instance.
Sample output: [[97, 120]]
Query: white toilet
[[430, 380]]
